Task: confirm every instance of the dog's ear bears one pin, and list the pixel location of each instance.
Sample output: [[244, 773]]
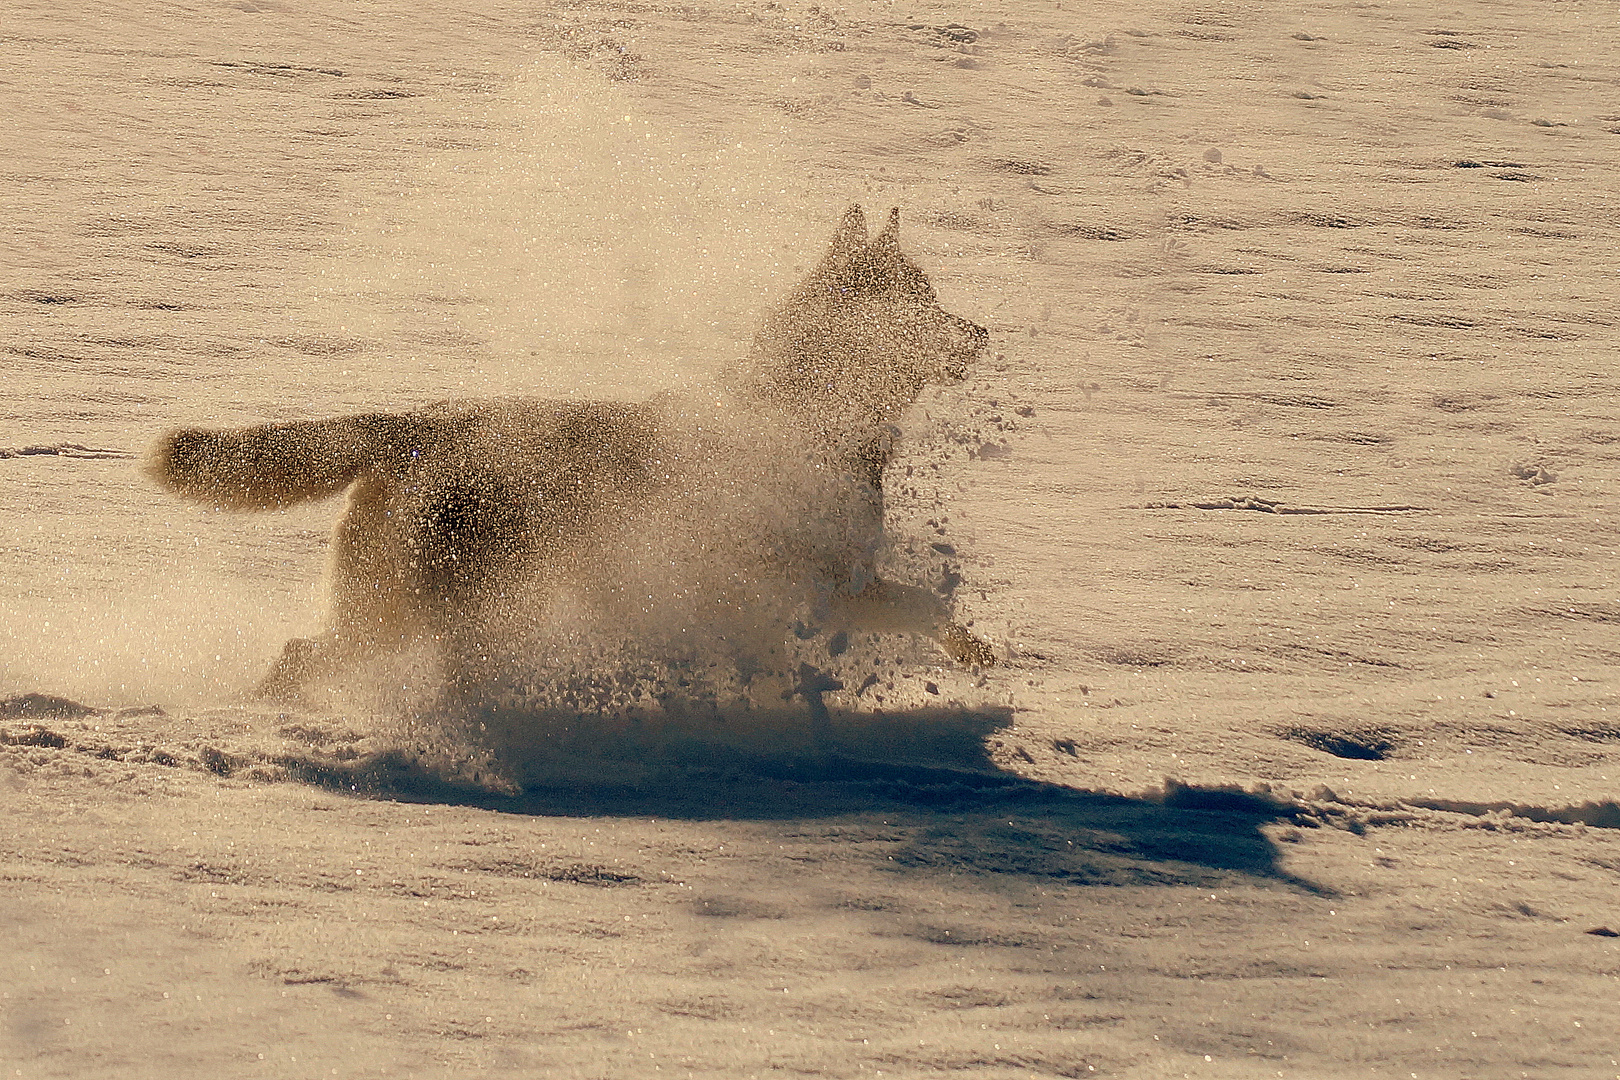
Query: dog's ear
[[883, 258], [847, 243], [890, 236]]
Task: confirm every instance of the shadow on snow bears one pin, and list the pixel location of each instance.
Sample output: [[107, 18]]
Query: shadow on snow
[[926, 772]]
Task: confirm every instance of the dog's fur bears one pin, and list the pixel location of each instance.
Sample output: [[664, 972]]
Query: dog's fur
[[462, 509]]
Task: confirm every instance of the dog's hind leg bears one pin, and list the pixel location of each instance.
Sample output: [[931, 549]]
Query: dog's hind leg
[[885, 607], [304, 662], [374, 609]]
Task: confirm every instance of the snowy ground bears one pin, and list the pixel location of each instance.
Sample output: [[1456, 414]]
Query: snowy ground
[[1326, 792]]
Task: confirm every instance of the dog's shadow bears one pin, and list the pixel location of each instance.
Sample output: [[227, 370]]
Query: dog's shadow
[[925, 772]]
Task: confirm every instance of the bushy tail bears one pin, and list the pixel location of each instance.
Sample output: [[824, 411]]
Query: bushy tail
[[269, 466]]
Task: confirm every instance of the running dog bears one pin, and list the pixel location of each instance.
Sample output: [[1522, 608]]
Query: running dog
[[466, 508]]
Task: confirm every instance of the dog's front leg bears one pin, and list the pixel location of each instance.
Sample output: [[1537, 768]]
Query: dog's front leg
[[964, 647], [885, 607]]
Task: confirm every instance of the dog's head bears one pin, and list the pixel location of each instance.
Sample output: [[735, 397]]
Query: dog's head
[[872, 281], [855, 342]]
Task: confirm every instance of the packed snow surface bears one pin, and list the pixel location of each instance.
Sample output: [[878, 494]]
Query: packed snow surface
[[1285, 492]]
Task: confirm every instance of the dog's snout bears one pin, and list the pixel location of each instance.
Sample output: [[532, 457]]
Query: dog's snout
[[973, 336]]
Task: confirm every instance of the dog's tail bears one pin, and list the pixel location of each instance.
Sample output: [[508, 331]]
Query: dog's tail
[[269, 466]]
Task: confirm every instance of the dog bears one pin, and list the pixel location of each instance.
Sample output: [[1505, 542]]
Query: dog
[[463, 513]]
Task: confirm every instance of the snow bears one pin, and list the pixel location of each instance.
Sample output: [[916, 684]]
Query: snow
[[1325, 792]]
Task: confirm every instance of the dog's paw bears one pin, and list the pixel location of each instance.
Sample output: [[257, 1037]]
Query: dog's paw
[[964, 648]]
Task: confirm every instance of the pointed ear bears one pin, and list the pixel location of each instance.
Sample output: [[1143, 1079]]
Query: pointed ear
[[847, 243], [883, 254], [890, 236]]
